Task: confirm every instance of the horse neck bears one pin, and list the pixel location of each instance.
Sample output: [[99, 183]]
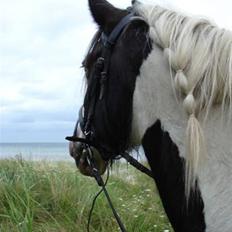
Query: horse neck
[[154, 98]]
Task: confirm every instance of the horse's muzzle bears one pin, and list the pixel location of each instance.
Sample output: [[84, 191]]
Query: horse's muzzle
[[79, 152]]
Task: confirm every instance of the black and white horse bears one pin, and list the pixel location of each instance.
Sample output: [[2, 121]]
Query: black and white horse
[[164, 80]]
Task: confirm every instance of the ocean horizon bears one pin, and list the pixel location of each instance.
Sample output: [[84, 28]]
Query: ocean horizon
[[35, 151], [46, 151]]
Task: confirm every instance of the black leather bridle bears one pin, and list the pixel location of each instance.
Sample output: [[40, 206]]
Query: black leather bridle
[[98, 84], [100, 76], [85, 120]]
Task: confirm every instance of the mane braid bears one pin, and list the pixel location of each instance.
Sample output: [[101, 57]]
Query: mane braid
[[200, 54]]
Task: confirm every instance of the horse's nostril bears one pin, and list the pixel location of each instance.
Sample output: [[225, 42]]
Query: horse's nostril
[[75, 149], [84, 153]]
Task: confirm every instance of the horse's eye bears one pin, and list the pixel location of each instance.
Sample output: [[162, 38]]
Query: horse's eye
[[86, 72], [85, 69]]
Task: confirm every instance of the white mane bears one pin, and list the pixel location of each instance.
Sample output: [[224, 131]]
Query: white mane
[[200, 54]]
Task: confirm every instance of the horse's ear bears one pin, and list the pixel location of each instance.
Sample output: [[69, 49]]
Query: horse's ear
[[104, 13]]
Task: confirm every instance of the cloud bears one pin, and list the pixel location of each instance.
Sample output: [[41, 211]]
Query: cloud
[[42, 46], [43, 43]]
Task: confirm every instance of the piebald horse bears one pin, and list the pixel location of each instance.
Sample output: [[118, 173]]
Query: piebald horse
[[161, 79]]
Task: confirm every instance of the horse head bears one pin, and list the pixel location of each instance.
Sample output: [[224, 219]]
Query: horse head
[[111, 67]]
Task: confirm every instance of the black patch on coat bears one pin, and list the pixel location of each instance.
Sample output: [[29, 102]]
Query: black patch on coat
[[168, 170]]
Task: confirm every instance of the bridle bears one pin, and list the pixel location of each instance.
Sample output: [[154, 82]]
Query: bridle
[[97, 89], [85, 120]]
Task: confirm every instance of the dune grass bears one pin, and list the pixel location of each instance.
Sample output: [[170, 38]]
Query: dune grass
[[54, 197]]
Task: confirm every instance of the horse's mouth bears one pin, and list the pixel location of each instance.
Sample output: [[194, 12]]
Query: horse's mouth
[[81, 160], [83, 166]]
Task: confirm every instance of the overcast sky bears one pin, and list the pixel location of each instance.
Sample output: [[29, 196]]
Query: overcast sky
[[42, 44]]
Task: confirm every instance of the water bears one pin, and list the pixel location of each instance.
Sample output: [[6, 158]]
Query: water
[[46, 151], [35, 151]]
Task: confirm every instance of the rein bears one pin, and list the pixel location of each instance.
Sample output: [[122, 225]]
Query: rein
[[100, 182], [90, 159]]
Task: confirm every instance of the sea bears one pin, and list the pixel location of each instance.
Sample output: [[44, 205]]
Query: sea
[[35, 151], [46, 152]]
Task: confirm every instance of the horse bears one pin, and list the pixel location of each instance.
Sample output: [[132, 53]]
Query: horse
[[163, 80]]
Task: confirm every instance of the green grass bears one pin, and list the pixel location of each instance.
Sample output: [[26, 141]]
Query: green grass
[[54, 197]]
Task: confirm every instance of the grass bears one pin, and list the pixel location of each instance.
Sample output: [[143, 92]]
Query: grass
[[54, 197]]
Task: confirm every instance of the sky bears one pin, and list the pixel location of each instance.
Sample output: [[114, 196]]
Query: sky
[[42, 45]]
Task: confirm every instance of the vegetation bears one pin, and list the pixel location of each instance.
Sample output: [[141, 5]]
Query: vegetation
[[54, 197]]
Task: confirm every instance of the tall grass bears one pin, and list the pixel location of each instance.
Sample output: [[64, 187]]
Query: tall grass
[[54, 197]]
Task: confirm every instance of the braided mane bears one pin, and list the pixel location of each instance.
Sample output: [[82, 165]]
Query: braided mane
[[200, 54]]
